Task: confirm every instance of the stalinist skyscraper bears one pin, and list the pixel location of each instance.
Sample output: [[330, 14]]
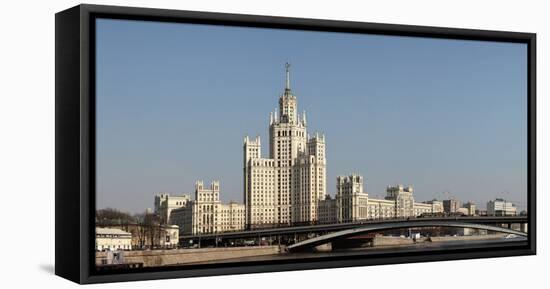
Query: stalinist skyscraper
[[286, 187]]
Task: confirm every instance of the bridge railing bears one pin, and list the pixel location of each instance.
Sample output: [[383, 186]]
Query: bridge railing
[[313, 226]]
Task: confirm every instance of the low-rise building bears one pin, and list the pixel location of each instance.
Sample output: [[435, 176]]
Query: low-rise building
[[422, 208], [463, 211], [481, 212], [108, 239], [381, 209], [151, 235], [500, 207], [470, 208], [232, 217], [328, 210], [436, 206], [451, 206], [169, 237]]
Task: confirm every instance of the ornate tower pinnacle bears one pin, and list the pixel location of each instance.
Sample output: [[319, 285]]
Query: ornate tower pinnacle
[[287, 68], [287, 102]]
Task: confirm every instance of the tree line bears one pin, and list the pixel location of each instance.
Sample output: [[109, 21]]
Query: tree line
[[146, 228]]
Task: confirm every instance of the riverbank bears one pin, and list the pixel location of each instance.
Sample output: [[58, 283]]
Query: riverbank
[[155, 258], [467, 238]]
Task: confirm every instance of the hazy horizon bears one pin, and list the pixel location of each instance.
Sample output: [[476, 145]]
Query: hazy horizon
[[174, 102]]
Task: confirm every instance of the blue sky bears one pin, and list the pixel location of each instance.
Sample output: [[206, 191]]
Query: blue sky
[[174, 102]]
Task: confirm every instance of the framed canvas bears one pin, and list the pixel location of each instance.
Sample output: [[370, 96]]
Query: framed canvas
[[195, 144]]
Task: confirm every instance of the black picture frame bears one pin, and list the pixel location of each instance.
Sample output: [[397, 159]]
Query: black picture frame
[[75, 140]]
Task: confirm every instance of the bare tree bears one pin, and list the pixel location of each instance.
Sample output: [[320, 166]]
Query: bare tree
[[113, 217], [152, 228]]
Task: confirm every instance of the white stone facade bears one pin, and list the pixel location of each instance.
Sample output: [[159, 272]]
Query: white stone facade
[[403, 199], [286, 187], [164, 204], [352, 204], [107, 239], [352, 201], [169, 237], [500, 207], [470, 208], [436, 206], [289, 187], [206, 214], [381, 209]]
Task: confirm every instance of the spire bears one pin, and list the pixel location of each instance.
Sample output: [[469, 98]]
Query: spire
[[287, 68]]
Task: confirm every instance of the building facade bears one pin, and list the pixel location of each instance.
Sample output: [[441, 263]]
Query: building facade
[[423, 208], [436, 206], [108, 239], [207, 214], [169, 237], [153, 235], [328, 210], [381, 209], [501, 207], [164, 204], [352, 201], [352, 204], [403, 200], [451, 206], [470, 209], [285, 188]]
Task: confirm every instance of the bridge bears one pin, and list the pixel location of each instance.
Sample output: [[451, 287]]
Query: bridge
[[323, 229], [369, 228]]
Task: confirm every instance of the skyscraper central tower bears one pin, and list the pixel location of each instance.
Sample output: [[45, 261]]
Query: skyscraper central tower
[[285, 188]]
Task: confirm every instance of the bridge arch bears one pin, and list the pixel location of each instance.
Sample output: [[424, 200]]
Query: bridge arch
[[313, 242]]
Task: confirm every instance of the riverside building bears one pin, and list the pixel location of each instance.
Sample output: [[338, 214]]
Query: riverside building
[[289, 186], [207, 214], [352, 204], [501, 207], [165, 203], [286, 187]]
